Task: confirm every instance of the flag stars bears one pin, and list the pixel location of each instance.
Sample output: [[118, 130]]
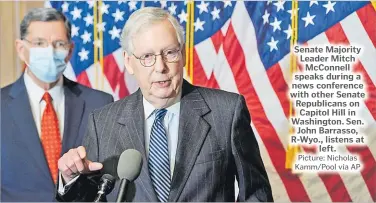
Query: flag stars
[[65, 7], [329, 6], [187, 1], [295, 12], [163, 4], [101, 26], [86, 37], [273, 44], [91, 3], [183, 16], [84, 54], [74, 31], [115, 33], [276, 24], [308, 19], [279, 5], [265, 17], [311, 3], [172, 9], [89, 19], [122, 1], [118, 15], [104, 8], [76, 13], [227, 3], [132, 5], [199, 25], [203, 7], [288, 32], [215, 13]]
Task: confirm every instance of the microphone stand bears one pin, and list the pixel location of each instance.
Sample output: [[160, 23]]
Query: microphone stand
[[122, 190]]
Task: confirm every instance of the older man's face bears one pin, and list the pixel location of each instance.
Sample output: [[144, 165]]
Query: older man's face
[[160, 81]]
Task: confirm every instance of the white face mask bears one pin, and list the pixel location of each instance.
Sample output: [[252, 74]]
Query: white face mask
[[47, 64]]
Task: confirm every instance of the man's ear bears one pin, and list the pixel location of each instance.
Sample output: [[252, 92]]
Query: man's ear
[[127, 63], [20, 48], [70, 52]]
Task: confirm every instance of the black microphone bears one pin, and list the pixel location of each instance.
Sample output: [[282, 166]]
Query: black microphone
[[129, 167], [106, 185]]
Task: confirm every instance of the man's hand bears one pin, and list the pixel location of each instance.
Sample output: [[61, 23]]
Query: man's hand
[[74, 162]]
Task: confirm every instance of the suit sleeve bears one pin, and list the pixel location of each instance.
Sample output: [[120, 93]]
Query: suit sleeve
[[110, 99], [86, 187], [252, 178]]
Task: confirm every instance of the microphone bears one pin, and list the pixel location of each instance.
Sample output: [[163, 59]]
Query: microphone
[[128, 169], [106, 185]]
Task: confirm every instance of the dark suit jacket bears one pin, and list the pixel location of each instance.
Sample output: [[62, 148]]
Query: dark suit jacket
[[215, 145], [24, 170]]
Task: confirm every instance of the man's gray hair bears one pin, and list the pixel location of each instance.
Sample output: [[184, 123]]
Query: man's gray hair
[[145, 17], [44, 15]]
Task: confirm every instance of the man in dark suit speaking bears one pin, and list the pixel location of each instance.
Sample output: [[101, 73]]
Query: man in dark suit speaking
[[194, 141]]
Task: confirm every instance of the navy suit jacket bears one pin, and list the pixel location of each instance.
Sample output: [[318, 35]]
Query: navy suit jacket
[[24, 171]]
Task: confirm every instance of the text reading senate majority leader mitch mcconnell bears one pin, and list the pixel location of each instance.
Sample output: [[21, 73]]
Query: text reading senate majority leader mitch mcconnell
[[327, 96]]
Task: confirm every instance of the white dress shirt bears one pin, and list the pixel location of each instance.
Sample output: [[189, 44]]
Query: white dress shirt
[[38, 105], [171, 123]]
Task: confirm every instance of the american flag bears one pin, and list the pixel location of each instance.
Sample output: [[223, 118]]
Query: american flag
[[244, 47]]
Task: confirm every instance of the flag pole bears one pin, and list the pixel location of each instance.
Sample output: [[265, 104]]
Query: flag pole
[[101, 48], [292, 151], [95, 9], [187, 27], [191, 41]]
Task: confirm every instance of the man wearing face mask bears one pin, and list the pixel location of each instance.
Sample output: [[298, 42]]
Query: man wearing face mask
[[43, 114]]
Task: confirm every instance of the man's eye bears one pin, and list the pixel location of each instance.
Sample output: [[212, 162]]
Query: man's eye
[[148, 56], [38, 43], [172, 52], [60, 44]]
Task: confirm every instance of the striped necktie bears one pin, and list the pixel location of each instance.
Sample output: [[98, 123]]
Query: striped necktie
[[159, 163]]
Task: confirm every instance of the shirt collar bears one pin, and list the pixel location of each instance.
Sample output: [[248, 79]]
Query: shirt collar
[[36, 93], [149, 108]]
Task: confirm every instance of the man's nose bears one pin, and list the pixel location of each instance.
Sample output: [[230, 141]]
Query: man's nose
[[160, 65]]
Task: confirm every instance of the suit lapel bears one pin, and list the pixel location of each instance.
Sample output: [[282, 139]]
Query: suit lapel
[[193, 130], [132, 118], [24, 121], [74, 109]]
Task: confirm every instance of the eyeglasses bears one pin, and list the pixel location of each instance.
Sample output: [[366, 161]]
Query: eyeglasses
[[42, 43], [168, 56]]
